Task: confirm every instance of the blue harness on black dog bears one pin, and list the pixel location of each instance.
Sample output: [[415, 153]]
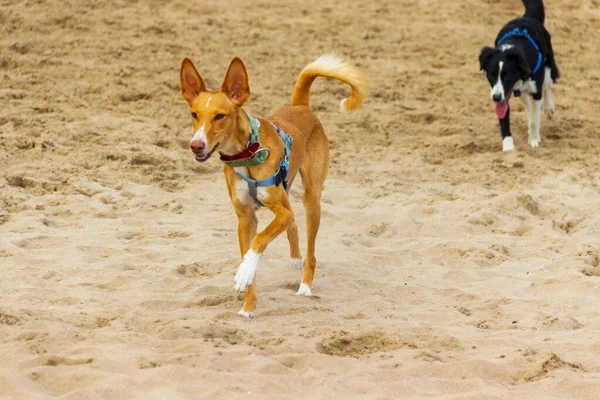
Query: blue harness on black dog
[[525, 34]]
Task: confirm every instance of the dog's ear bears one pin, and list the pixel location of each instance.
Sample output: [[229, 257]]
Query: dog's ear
[[516, 55], [485, 57], [235, 85], [191, 82]]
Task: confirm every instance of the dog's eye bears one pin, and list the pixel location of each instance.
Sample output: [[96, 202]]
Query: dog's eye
[[194, 115], [503, 75], [219, 117]]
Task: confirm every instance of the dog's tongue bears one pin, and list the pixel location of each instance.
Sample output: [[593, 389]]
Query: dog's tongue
[[502, 109]]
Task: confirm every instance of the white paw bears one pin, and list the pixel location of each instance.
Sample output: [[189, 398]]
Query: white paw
[[246, 314], [508, 144], [534, 142], [304, 290], [246, 271], [296, 263]]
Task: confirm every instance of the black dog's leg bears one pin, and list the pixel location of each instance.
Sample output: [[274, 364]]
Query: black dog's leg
[[535, 117], [554, 72], [507, 139]]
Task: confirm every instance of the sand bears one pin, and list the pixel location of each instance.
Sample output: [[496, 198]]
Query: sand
[[446, 268]]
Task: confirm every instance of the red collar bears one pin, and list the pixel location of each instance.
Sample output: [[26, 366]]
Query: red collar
[[253, 154], [245, 154]]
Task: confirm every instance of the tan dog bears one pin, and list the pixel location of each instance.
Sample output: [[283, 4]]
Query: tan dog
[[221, 124]]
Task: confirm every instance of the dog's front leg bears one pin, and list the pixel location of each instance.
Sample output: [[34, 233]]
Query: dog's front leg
[[245, 210], [247, 224], [534, 122], [275, 199], [528, 101], [507, 140], [548, 105]]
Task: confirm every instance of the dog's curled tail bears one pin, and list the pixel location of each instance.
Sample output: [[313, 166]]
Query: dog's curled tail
[[331, 66], [535, 9]]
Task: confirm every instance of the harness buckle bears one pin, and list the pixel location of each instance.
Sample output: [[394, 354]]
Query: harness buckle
[[281, 178]]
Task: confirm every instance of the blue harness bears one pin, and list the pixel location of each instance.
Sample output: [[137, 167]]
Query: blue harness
[[280, 177], [524, 33]]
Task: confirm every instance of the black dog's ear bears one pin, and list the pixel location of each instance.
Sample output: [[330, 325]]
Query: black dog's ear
[[485, 56], [515, 54]]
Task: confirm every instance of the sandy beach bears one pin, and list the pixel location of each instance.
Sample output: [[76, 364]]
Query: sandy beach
[[446, 268]]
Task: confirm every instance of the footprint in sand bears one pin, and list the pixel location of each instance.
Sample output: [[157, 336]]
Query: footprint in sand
[[193, 270], [53, 361], [213, 301], [554, 362], [343, 344], [9, 319]]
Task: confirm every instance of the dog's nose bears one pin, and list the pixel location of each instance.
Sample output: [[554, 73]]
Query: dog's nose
[[197, 146], [497, 97]]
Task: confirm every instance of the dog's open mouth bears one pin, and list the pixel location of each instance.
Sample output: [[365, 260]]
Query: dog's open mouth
[[502, 107], [202, 158]]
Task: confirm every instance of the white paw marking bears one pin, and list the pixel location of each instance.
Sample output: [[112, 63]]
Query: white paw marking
[[304, 290], [246, 314], [246, 271], [296, 263], [534, 143], [508, 144]]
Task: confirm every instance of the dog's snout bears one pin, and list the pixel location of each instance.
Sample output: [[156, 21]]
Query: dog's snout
[[497, 97], [197, 146]]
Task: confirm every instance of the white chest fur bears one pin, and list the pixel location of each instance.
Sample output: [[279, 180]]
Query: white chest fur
[[242, 192], [529, 86]]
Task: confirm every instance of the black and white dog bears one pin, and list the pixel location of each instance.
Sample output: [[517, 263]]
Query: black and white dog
[[523, 64]]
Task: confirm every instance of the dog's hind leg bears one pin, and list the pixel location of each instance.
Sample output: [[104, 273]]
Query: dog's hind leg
[[548, 104], [313, 172], [312, 204], [554, 72], [546, 88]]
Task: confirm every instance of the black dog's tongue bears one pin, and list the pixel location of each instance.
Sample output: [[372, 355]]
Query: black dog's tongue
[[502, 108]]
